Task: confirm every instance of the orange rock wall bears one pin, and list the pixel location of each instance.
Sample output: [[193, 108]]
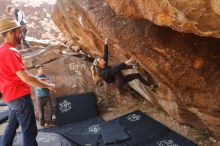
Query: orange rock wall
[[185, 66]]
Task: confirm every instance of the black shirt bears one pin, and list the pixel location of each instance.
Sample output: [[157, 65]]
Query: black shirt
[[107, 73]]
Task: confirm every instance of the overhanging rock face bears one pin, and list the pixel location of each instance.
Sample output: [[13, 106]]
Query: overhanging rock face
[[185, 66], [201, 17]]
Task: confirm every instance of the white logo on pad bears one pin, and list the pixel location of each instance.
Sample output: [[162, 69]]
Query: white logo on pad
[[47, 139], [133, 117], [65, 106], [167, 143], [94, 129]]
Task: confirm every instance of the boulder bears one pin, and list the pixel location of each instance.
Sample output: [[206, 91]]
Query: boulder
[[198, 16], [185, 66]]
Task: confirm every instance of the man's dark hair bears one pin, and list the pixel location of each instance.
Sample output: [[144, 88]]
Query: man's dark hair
[[16, 13], [4, 34], [38, 66], [14, 30]]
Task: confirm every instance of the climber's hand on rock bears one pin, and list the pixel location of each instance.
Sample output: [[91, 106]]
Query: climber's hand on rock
[[106, 41], [129, 62]]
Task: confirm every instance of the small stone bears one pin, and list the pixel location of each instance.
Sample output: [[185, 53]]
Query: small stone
[[212, 139], [110, 109], [200, 143]]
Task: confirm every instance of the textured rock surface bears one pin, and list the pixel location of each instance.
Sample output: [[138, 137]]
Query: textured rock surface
[[201, 17], [186, 66], [41, 55], [38, 14]]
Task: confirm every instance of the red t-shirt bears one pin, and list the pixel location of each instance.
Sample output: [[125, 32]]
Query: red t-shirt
[[11, 86]]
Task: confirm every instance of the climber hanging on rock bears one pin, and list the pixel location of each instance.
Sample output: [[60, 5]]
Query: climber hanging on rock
[[113, 74]]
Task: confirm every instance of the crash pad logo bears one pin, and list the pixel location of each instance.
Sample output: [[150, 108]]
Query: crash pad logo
[[167, 143], [94, 128], [42, 139], [47, 139], [133, 117], [65, 106]]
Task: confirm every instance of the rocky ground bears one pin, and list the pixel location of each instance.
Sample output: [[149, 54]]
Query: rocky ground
[[41, 27]]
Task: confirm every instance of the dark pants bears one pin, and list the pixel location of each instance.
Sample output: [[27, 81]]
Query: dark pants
[[45, 102], [21, 111], [27, 45], [120, 80]]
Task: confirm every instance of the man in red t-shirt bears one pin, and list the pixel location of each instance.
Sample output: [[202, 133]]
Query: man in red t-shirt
[[14, 86]]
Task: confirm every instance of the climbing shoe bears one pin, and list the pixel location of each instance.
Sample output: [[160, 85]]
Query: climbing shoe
[[42, 123], [153, 87], [136, 66]]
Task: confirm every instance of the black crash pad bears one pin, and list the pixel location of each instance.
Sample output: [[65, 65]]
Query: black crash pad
[[3, 116], [113, 132], [173, 139], [75, 108], [80, 133], [117, 144], [81, 139], [86, 127], [43, 139], [144, 130]]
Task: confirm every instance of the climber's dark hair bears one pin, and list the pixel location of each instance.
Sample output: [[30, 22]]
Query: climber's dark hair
[[16, 13], [38, 66]]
